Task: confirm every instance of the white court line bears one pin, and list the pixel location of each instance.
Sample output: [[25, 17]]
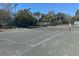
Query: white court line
[[8, 40], [56, 35], [46, 34]]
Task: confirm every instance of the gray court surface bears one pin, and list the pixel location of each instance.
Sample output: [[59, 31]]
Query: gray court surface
[[47, 41]]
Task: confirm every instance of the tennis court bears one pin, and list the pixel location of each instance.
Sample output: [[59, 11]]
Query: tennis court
[[45, 41]]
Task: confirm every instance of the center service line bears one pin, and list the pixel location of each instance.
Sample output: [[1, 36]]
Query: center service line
[[56, 35]]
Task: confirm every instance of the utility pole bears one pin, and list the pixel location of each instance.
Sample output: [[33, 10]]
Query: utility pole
[[15, 14]]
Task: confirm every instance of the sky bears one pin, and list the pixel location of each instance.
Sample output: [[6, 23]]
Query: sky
[[68, 8]]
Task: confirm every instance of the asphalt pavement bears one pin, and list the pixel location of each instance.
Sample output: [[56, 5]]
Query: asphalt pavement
[[51, 41]]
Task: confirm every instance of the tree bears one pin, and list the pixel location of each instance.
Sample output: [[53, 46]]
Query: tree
[[8, 7], [46, 18], [62, 18], [77, 12], [8, 10], [37, 15], [50, 15], [24, 18], [68, 19], [4, 17], [76, 17]]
